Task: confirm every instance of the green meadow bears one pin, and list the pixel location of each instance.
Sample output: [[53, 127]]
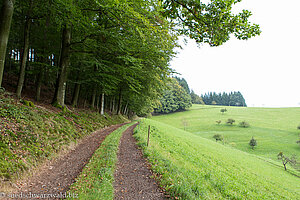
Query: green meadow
[[275, 129], [190, 164]]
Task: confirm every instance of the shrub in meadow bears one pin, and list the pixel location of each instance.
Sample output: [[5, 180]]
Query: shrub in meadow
[[230, 121], [244, 124], [218, 137], [253, 143]]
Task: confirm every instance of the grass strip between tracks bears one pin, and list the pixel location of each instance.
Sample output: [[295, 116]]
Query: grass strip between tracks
[[97, 177]]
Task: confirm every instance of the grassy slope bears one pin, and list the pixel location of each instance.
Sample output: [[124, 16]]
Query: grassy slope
[[96, 179], [193, 167], [275, 129], [29, 135]]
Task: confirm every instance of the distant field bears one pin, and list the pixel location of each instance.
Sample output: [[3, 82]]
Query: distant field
[[275, 129]]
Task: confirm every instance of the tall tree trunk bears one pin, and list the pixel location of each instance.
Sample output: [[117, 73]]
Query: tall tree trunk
[[59, 96], [39, 84], [125, 109], [120, 102], [113, 105], [110, 104], [102, 104], [84, 103], [6, 14], [76, 95], [24, 53], [94, 97], [97, 103], [40, 77]]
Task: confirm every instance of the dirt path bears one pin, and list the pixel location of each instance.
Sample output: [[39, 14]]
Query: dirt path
[[132, 177], [57, 176]]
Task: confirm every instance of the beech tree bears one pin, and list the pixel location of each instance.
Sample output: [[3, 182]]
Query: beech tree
[[25, 48], [6, 14], [110, 55], [174, 98], [211, 22]]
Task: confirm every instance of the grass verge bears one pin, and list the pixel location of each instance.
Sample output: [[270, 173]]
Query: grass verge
[[96, 179]]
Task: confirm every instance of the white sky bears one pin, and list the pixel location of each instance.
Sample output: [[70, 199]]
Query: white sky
[[265, 69]]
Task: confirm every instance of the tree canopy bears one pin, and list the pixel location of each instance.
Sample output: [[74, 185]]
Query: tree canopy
[[112, 52], [175, 98]]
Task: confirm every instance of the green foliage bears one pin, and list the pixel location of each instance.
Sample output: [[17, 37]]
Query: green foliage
[[253, 143], [2, 89], [212, 22], [230, 99], [175, 98], [27, 103], [223, 110], [64, 109], [196, 99], [11, 111], [218, 137], [57, 105], [218, 121], [244, 124], [119, 48], [230, 121], [182, 82], [97, 177], [286, 160]]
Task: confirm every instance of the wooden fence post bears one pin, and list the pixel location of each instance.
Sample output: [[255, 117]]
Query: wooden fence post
[[148, 135]]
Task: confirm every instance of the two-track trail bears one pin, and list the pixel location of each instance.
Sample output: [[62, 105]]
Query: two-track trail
[[133, 176], [56, 177]]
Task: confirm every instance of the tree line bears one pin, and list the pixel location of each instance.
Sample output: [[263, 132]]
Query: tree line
[[177, 96], [111, 54], [225, 99]]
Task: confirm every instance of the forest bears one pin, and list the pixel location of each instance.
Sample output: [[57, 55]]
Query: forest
[[105, 54], [225, 99]]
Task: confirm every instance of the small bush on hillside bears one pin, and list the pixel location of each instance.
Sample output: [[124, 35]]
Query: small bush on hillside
[[298, 127], [27, 103], [218, 137], [148, 115], [230, 121], [2, 89], [244, 124], [218, 122], [233, 144], [223, 110], [253, 143], [285, 160]]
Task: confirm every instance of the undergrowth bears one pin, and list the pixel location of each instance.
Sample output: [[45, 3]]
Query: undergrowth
[[28, 135]]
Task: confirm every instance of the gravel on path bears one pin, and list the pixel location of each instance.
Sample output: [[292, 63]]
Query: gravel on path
[[133, 176]]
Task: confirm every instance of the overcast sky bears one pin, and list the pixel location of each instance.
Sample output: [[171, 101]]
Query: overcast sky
[[265, 69]]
